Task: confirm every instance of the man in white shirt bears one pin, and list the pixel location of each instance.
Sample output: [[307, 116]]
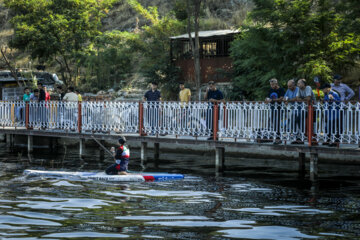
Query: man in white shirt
[[71, 96]]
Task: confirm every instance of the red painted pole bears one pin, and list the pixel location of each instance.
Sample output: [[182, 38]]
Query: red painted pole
[[27, 115], [79, 117], [216, 121], [310, 123], [141, 119]]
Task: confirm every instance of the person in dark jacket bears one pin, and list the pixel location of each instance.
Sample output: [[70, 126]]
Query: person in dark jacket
[[121, 155], [42, 94]]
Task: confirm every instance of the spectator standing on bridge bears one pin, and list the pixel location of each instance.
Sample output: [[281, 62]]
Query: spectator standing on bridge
[[318, 93], [346, 93], [47, 94], [79, 95], [61, 93], [305, 93], [153, 96], [42, 94], [35, 95], [70, 116], [331, 114], [291, 92], [70, 96], [26, 97], [213, 95], [122, 156], [184, 94], [275, 96]]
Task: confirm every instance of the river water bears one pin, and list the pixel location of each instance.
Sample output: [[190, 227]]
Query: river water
[[255, 199]]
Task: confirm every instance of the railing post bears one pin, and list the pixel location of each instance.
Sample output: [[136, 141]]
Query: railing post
[[79, 117], [310, 120], [141, 118], [27, 115], [215, 121]]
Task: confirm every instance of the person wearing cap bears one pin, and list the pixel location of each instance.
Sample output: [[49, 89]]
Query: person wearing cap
[[213, 95], [121, 156], [318, 93], [331, 113], [346, 93]]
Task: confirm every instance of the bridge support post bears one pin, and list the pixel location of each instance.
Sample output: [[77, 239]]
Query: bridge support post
[[301, 164], [143, 154], [219, 159], [10, 140], [156, 151], [30, 142], [313, 167], [81, 147], [102, 153]]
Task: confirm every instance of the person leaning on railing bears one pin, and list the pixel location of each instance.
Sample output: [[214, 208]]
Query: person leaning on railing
[[331, 114], [213, 95], [305, 94], [275, 95], [153, 96]]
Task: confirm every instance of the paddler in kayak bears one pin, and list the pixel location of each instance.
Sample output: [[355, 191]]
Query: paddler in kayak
[[121, 155]]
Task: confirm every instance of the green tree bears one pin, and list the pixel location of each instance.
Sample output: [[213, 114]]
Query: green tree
[[286, 39], [57, 29], [154, 63]]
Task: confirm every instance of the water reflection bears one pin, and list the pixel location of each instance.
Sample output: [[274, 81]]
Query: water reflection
[[237, 205]]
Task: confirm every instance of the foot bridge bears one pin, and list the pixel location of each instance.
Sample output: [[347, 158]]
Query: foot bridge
[[315, 128]]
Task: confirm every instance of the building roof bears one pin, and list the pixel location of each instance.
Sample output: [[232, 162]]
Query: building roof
[[205, 34]]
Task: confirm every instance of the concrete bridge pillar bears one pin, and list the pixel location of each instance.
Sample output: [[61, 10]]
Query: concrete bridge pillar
[[10, 140], [143, 154], [156, 151], [301, 164], [102, 152], [81, 147], [313, 167], [30, 143], [219, 159]]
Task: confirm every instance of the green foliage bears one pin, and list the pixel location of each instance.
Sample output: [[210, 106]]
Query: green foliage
[[56, 28], [110, 59], [286, 39]]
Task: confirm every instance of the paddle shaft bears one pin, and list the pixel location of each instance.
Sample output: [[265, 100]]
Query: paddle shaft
[[102, 146]]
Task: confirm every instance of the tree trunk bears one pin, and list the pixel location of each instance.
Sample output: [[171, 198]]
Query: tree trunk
[[195, 48]]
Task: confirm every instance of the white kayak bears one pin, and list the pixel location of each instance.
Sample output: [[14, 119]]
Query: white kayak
[[101, 176]]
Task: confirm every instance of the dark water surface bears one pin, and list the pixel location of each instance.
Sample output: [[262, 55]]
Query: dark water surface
[[255, 199]]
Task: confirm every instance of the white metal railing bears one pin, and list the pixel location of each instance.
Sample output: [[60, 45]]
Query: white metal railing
[[337, 122], [259, 120], [176, 118], [326, 122], [110, 116], [53, 115], [12, 114]]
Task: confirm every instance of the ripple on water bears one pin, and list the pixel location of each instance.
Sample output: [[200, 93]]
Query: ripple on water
[[37, 215], [70, 204], [281, 210], [86, 235], [226, 224], [7, 219], [154, 218], [65, 184], [266, 232]]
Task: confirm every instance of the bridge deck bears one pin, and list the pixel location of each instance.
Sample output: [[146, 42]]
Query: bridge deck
[[343, 149]]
